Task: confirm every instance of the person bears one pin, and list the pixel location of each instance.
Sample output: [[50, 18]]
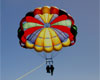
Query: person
[[48, 69], [52, 69]]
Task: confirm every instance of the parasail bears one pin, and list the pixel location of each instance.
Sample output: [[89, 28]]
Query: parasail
[[47, 29]]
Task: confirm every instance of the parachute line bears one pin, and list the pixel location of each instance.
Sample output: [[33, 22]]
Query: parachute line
[[30, 71], [55, 54], [43, 56]]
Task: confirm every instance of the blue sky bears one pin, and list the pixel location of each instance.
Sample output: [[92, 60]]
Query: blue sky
[[78, 62]]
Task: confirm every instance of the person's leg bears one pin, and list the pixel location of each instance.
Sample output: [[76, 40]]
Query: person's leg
[[48, 69], [51, 73]]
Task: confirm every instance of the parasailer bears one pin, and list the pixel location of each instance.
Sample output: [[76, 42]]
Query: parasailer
[[47, 29]]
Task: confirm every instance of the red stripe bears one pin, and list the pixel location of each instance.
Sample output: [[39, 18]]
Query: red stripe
[[64, 29], [28, 32], [34, 20], [37, 11], [60, 18], [24, 19], [54, 10]]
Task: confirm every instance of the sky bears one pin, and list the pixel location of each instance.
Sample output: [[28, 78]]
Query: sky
[[78, 62]]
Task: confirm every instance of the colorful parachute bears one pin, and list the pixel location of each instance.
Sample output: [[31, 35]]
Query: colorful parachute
[[47, 29]]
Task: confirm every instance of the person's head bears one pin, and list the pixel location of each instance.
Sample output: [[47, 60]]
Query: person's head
[[51, 65]]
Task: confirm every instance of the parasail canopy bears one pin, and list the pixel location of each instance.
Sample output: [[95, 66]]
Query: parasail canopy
[[47, 29]]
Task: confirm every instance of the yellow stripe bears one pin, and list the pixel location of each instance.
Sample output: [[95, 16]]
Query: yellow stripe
[[55, 40], [58, 47], [29, 45], [66, 43], [48, 47], [50, 17], [42, 17], [46, 17], [39, 41]]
